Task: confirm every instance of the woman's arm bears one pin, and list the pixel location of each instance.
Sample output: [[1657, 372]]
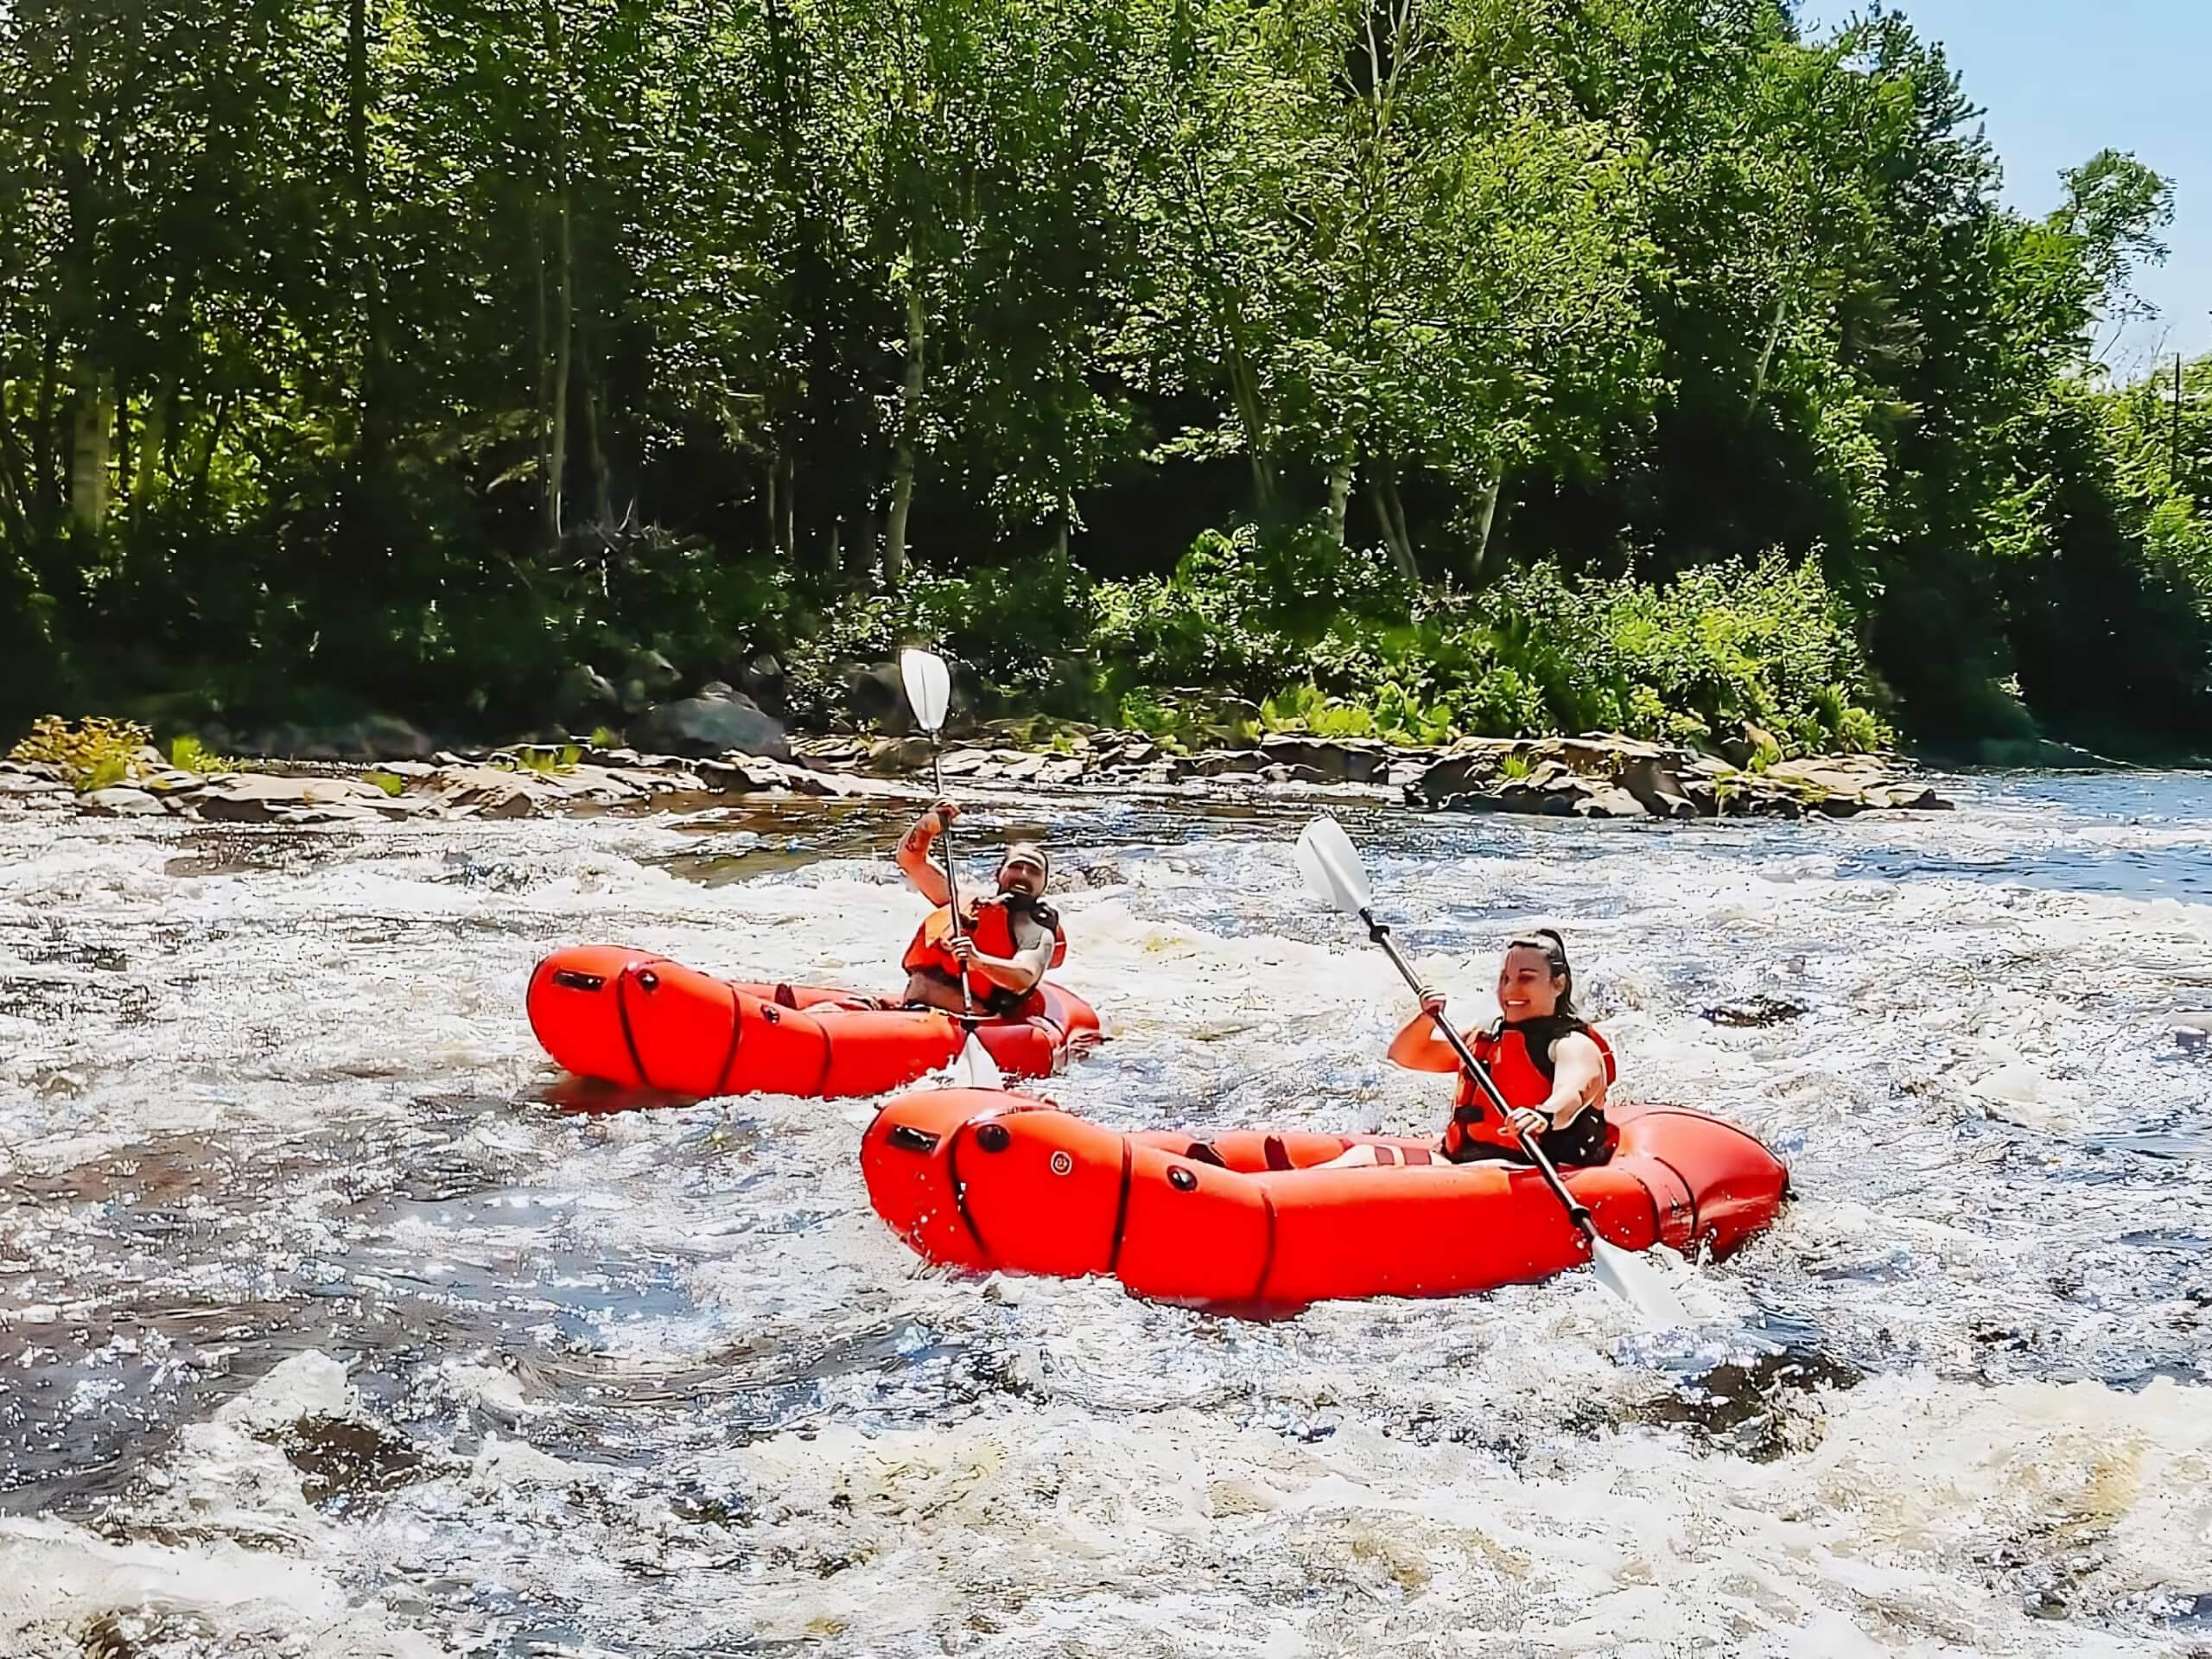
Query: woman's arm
[[1420, 1047], [1578, 1082], [1577, 1077]]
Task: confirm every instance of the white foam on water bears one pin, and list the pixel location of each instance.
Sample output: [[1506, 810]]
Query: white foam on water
[[275, 1156], [235, 1562]]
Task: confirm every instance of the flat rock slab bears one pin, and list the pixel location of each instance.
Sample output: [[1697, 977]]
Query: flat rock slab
[[122, 802], [31, 783], [261, 798]]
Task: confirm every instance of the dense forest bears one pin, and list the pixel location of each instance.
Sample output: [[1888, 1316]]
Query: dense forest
[[1423, 366]]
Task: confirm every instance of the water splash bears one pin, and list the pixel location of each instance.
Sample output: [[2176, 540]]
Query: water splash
[[317, 1324]]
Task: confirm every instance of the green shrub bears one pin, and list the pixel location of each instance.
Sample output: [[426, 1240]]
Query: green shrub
[[1693, 660], [1696, 658], [1252, 614], [188, 753], [91, 754], [546, 763]]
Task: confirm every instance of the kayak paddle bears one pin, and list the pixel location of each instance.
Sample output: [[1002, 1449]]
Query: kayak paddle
[[1332, 868], [929, 691]]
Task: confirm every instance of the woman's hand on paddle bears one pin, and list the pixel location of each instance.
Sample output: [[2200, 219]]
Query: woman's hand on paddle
[[1432, 1001], [1528, 1121], [962, 945], [941, 816]]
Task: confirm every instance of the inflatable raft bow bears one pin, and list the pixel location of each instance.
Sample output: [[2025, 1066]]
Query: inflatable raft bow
[[640, 1021]]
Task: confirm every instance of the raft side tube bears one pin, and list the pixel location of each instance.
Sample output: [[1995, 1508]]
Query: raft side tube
[[574, 1004], [1737, 1184], [906, 1162], [1046, 1192], [1195, 1233], [683, 1028]]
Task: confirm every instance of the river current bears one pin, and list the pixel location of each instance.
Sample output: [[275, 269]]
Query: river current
[[329, 1326]]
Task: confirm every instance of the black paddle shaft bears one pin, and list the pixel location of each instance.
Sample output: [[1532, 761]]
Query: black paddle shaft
[[952, 872], [1578, 1211]]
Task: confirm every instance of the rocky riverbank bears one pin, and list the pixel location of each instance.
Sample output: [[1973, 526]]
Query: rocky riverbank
[[1599, 775], [1593, 776]]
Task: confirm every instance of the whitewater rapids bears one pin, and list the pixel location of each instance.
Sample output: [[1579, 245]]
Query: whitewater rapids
[[327, 1328]]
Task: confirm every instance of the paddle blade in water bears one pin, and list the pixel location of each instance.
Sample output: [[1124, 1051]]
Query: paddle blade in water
[[1638, 1282], [929, 688], [974, 1068], [1331, 866]]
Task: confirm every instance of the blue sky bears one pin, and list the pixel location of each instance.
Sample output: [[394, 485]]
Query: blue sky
[[2062, 79]]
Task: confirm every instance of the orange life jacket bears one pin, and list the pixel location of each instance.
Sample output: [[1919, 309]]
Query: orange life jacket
[[1519, 1059], [992, 928]]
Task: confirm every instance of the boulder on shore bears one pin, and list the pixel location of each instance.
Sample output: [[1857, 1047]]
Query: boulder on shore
[[718, 720]]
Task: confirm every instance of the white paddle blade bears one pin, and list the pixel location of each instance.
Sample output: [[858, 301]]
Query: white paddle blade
[[929, 688], [974, 1068], [1331, 866], [1636, 1282]]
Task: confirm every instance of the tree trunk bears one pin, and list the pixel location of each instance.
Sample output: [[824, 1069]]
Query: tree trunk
[[1390, 514], [541, 336], [362, 208], [1339, 495], [44, 462], [910, 422], [563, 341], [1766, 355], [88, 458], [602, 487], [14, 485], [835, 562], [1067, 521], [125, 483], [1251, 412], [787, 527], [1411, 563], [565, 284], [771, 517], [206, 466], [1488, 518], [152, 449]]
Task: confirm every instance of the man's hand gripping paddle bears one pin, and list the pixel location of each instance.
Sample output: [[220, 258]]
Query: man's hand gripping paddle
[[928, 692]]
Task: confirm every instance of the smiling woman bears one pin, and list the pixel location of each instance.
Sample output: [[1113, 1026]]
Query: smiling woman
[[1550, 1066]]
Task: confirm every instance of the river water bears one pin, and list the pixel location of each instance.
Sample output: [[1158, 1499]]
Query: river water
[[328, 1326]]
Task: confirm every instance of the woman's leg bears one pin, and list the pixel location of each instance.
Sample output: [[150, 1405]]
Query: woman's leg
[[1365, 1155]]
